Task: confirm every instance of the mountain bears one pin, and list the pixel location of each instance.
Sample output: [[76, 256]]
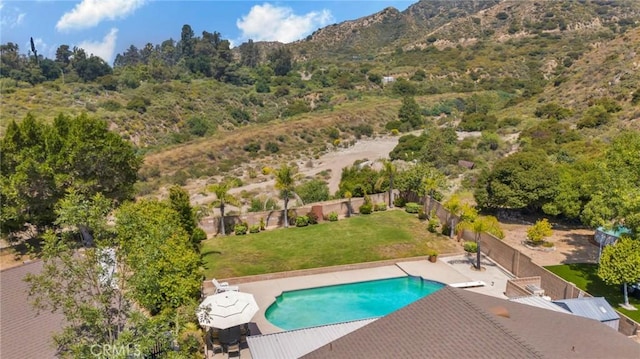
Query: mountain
[[506, 58]]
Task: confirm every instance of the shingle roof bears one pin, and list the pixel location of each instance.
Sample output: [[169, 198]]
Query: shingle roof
[[455, 323], [23, 334]]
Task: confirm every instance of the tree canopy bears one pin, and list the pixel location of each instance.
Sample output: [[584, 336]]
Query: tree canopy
[[42, 162]]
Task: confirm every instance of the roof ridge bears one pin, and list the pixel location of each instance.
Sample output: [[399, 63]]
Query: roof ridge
[[488, 316]]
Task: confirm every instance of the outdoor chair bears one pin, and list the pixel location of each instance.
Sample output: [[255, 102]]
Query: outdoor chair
[[223, 286], [212, 342], [233, 351]]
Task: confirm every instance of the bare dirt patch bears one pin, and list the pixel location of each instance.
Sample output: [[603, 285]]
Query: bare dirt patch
[[572, 244]]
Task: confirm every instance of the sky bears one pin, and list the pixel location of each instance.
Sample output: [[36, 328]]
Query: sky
[[106, 28]]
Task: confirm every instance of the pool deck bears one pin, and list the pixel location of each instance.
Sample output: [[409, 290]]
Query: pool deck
[[448, 270]]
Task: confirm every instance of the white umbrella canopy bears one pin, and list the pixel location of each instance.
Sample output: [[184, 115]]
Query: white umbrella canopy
[[227, 309]]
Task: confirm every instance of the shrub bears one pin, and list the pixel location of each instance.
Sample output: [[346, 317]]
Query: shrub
[[332, 216], [547, 244], [366, 208], [254, 228], [139, 104], [302, 221], [380, 207], [312, 218], [445, 230], [263, 226], [412, 207], [399, 202], [433, 224], [470, 247], [240, 229], [421, 214], [292, 215]]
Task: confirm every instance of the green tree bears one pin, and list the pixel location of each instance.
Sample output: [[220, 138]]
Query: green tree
[[421, 179], [620, 263], [615, 198], [524, 180], [249, 54], [389, 172], [285, 182], [90, 291], [42, 162], [281, 60], [85, 217], [165, 268], [179, 202], [539, 231], [454, 208], [315, 190], [479, 225], [223, 197], [409, 114]]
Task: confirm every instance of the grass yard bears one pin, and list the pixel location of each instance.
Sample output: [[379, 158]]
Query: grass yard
[[585, 277], [365, 238]]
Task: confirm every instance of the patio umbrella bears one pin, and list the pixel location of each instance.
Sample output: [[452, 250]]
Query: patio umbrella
[[227, 309]]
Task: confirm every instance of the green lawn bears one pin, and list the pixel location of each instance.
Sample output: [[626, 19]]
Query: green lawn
[[381, 235], [585, 277]]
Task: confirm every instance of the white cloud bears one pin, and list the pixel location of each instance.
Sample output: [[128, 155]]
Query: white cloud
[[271, 23], [90, 13], [104, 49], [11, 16]]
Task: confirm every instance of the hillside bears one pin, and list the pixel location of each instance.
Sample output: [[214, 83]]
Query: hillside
[[476, 65]]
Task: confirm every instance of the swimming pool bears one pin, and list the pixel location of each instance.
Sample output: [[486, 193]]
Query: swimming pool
[[345, 302]]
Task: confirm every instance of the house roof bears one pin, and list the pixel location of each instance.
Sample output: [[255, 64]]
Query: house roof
[[462, 324], [24, 333], [595, 308], [293, 344]]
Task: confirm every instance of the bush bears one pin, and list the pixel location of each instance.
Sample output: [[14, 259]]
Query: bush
[[332, 216], [412, 207], [302, 221], [366, 208], [399, 202], [470, 247], [433, 224], [254, 228], [421, 214], [380, 207], [312, 218], [445, 230], [292, 215], [240, 229]]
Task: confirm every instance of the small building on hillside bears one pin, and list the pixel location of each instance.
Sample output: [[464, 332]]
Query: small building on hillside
[[592, 307]]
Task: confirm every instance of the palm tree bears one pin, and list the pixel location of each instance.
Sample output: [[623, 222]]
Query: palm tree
[[389, 170], [223, 197], [478, 225], [286, 183], [432, 181], [348, 195], [454, 207]]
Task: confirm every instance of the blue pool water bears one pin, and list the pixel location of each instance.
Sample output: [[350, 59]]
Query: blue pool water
[[340, 303]]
